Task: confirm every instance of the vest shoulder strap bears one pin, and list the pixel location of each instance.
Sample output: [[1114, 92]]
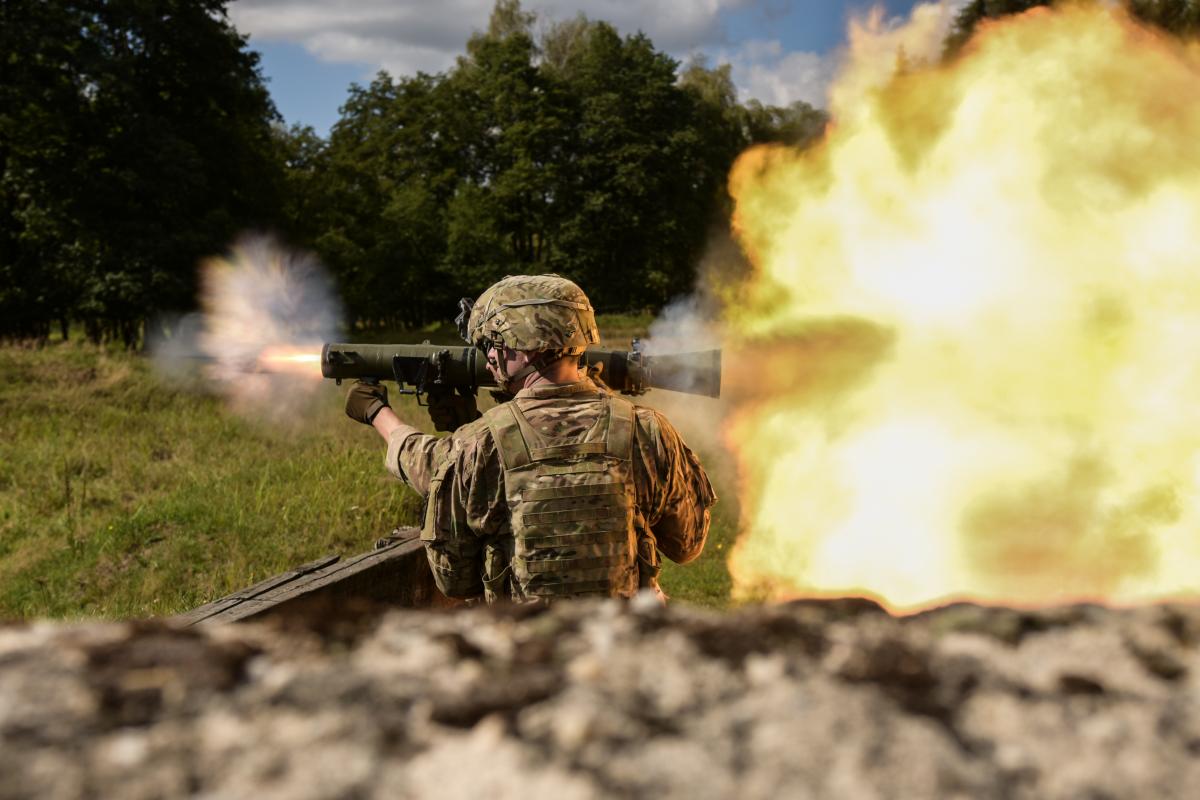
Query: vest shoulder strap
[[619, 439], [520, 445], [503, 422]]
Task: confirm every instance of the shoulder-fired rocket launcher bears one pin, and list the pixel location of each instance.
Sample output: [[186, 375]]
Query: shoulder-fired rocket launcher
[[426, 367]]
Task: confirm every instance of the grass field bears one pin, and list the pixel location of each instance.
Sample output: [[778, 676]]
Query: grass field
[[122, 495]]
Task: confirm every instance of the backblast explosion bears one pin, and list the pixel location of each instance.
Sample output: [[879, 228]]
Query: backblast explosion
[[992, 267]]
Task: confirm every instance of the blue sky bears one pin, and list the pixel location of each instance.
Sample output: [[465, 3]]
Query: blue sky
[[312, 50]]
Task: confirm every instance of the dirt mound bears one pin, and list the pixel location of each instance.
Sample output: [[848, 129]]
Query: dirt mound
[[811, 699]]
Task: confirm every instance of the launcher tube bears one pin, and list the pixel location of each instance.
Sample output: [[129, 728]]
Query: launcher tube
[[425, 366]]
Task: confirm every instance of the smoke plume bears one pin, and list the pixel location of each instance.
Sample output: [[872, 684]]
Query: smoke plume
[[265, 313]]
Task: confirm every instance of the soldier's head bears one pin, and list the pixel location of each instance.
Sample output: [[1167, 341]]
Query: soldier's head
[[529, 323]]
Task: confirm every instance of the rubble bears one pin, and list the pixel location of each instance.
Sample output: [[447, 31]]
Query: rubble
[[609, 699]]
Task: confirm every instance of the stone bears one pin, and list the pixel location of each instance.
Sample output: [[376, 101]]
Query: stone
[[813, 699]]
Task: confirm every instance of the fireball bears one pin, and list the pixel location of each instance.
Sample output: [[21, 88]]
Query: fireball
[[975, 320], [267, 311]]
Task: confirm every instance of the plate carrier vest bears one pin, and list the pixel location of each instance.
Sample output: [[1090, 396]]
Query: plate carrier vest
[[571, 505]]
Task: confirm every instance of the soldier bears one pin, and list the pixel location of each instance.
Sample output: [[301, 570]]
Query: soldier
[[565, 490]]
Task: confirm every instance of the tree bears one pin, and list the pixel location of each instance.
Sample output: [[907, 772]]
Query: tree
[[135, 138], [396, 165], [41, 99], [798, 124], [1178, 17], [635, 192], [579, 151], [976, 11], [304, 207], [438, 185], [561, 41], [521, 121]]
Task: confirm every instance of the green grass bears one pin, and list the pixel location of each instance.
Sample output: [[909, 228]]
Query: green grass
[[122, 495], [620, 329]]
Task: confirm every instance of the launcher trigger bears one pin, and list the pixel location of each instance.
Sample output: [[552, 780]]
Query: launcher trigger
[[438, 363], [400, 371]]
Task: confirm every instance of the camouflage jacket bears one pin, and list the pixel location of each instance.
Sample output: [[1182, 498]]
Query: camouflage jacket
[[673, 493]]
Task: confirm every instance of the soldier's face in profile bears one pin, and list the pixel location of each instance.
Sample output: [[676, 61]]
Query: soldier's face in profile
[[512, 361]]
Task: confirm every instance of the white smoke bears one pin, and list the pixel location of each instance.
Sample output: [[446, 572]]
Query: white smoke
[[695, 324], [259, 299]]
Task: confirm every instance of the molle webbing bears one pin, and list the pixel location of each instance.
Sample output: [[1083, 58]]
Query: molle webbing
[[520, 444], [571, 504], [578, 490]]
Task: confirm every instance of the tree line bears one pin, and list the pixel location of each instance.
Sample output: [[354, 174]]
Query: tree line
[[135, 138], [1178, 17], [138, 137], [577, 151]]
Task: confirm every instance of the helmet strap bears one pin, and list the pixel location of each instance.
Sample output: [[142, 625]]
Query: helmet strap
[[524, 372], [536, 364]]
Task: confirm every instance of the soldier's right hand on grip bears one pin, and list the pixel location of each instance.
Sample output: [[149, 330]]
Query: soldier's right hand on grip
[[594, 373], [365, 400], [450, 410]]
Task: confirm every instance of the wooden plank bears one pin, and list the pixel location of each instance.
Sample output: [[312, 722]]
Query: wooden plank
[[396, 574], [242, 595]]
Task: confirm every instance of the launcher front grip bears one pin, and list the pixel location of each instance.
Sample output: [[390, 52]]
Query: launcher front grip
[[425, 366]]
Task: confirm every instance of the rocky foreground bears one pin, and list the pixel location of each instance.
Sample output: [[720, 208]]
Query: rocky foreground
[[812, 699]]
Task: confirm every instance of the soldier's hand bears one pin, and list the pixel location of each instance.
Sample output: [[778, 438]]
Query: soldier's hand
[[500, 396], [450, 410], [594, 373], [365, 400]]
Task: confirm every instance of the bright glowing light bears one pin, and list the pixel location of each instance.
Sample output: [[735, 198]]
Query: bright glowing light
[[267, 312], [287, 359], [991, 271]]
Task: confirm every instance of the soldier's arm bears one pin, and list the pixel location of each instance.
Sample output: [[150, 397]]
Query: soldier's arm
[[451, 530], [465, 500], [387, 423], [455, 553], [678, 494], [413, 456], [367, 402]]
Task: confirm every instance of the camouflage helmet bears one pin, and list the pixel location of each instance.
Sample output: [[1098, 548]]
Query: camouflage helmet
[[533, 313]]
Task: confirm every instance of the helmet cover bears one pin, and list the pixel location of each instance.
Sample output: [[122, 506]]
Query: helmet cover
[[533, 313]]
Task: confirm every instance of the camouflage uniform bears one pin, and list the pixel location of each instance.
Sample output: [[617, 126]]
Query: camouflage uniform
[[468, 530], [565, 490]]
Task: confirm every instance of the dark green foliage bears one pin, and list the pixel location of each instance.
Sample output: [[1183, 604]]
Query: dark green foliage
[[1179, 17], [798, 124], [638, 187], [518, 119], [580, 152], [387, 174], [976, 11], [135, 138]]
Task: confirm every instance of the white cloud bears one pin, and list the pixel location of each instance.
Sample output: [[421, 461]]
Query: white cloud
[[404, 36], [764, 70]]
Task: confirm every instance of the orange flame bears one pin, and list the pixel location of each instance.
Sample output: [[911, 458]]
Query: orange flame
[[291, 360], [993, 269], [266, 312]]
